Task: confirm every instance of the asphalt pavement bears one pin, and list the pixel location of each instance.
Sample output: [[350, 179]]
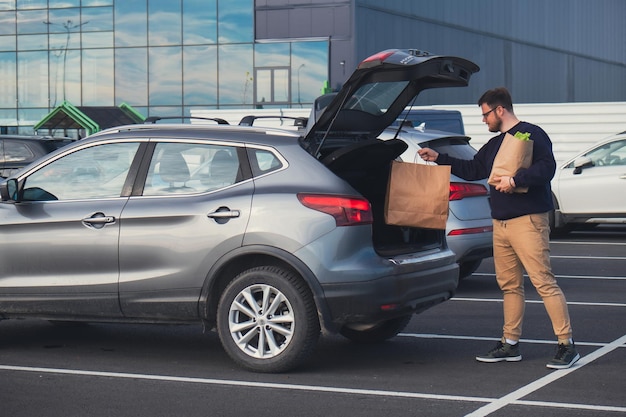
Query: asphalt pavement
[[53, 369]]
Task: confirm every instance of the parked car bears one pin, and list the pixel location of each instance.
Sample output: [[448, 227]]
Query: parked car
[[469, 229], [266, 235], [590, 189], [17, 151]]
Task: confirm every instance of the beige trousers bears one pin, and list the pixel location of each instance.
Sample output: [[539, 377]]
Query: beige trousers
[[520, 244]]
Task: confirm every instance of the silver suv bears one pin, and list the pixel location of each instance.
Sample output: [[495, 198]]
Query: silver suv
[[265, 235]]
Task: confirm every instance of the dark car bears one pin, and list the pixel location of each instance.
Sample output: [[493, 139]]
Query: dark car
[[266, 235], [17, 151]]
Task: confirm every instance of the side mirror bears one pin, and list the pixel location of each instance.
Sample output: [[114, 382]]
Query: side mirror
[[582, 162], [8, 190]]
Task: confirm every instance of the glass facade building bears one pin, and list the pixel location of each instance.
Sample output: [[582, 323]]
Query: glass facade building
[[162, 57]]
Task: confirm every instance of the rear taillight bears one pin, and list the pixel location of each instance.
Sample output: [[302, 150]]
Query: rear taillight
[[347, 211], [471, 231], [461, 190]]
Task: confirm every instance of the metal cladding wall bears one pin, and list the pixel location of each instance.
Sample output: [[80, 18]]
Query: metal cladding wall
[[543, 51]]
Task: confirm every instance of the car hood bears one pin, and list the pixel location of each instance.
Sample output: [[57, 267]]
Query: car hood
[[375, 95]]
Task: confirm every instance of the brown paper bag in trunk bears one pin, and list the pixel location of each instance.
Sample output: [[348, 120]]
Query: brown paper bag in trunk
[[417, 195], [512, 155]]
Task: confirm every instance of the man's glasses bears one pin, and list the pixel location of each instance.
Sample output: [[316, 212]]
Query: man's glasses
[[487, 114]]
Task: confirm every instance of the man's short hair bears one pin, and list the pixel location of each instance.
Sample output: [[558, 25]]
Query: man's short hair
[[497, 97]]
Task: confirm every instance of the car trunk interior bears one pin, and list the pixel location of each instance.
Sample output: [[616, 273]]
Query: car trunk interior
[[365, 165]]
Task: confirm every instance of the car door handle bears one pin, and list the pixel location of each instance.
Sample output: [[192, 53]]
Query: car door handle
[[98, 220], [224, 214]]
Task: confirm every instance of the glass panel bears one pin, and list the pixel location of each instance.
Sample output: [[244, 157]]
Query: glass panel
[[165, 76], [178, 168], [32, 4], [66, 21], [314, 56], [59, 4], [96, 172], [131, 84], [32, 22], [131, 25], [235, 74], [97, 19], [97, 40], [200, 74], [8, 97], [32, 42], [235, 21], [281, 85], [98, 77], [7, 5], [199, 21], [263, 161], [28, 118], [263, 86], [32, 79], [8, 118], [7, 23], [164, 22], [7, 43], [98, 2], [271, 54]]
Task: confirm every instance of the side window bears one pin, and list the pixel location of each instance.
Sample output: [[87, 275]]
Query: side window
[[613, 153], [263, 161], [15, 151], [189, 168], [96, 172]]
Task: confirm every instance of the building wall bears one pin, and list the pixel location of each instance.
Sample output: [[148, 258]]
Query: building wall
[[543, 51]]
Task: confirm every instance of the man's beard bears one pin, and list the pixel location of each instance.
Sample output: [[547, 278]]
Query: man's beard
[[496, 126]]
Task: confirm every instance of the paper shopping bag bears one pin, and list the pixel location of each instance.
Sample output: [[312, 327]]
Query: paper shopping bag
[[513, 154], [417, 195]]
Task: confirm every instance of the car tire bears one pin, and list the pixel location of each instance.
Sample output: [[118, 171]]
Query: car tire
[[378, 333], [267, 320]]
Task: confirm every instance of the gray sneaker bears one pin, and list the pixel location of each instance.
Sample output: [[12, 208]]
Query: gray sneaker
[[565, 357], [502, 352]]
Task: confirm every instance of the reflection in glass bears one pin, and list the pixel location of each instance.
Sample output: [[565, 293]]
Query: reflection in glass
[[7, 23], [165, 76], [164, 22], [235, 21], [131, 84], [271, 54], [98, 77], [31, 4], [31, 21], [32, 42], [200, 74], [199, 21], [314, 72], [99, 18], [7, 43], [57, 4], [8, 91], [32, 88], [131, 23], [97, 40], [235, 74]]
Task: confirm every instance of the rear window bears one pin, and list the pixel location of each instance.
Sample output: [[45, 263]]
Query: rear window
[[453, 146]]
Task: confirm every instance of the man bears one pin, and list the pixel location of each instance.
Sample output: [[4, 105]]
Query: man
[[520, 228]]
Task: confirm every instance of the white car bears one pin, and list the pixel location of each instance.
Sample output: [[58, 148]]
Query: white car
[[590, 189]]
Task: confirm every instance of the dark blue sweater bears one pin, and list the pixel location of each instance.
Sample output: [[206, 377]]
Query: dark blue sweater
[[537, 177]]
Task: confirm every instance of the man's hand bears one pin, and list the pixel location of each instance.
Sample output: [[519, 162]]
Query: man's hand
[[428, 154], [506, 184]]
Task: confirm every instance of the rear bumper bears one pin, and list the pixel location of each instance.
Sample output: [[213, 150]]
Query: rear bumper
[[390, 296]]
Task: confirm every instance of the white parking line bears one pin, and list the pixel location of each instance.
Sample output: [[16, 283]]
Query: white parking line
[[574, 303], [601, 258], [493, 404], [487, 274], [513, 397]]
